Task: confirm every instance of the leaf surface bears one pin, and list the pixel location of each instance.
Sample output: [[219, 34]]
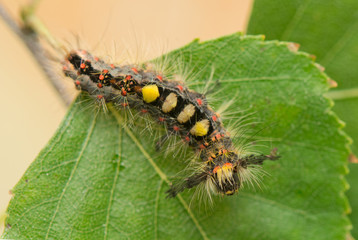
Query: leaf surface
[[99, 180], [329, 30]]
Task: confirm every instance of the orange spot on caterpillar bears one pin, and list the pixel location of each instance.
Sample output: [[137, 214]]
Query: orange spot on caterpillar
[[218, 136], [96, 59], [216, 169], [144, 110], [101, 77], [124, 104], [161, 119], [228, 165], [187, 139], [135, 70], [159, 77], [180, 87], [123, 92], [64, 68], [77, 82], [83, 66], [214, 118], [99, 96], [176, 128], [99, 85], [105, 71], [199, 101], [112, 66], [128, 77], [202, 146]]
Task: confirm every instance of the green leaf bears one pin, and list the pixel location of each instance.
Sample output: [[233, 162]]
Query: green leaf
[[325, 28], [99, 179], [353, 194], [328, 29]]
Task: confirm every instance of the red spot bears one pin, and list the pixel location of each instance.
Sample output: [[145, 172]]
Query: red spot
[[101, 77], [144, 110], [159, 77], [84, 52], [218, 136], [99, 96], [225, 151], [229, 165], [216, 169], [176, 128], [77, 82], [187, 139], [124, 104], [83, 66], [99, 85], [223, 134], [64, 68], [202, 146], [161, 119], [96, 59], [213, 139], [214, 118], [123, 92], [199, 101], [128, 77], [105, 71], [180, 87], [206, 143], [135, 70], [112, 66], [210, 159]]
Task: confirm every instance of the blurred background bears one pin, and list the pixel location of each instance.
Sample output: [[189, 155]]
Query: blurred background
[[31, 108]]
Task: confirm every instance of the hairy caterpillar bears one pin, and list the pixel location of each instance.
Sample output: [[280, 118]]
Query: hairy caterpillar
[[221, 166]]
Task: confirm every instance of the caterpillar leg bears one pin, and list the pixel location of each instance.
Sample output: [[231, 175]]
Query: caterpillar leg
[[259, 159], [186, 184]]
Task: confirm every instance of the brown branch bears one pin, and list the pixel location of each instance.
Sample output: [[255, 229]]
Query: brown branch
[[30, 38]]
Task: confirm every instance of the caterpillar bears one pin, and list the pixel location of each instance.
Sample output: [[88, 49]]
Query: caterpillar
[[221, 167]]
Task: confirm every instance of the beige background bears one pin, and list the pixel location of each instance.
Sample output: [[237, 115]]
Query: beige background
[[31, 110]]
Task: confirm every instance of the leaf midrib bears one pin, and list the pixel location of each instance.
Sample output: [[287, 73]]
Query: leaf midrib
[[161, 174]]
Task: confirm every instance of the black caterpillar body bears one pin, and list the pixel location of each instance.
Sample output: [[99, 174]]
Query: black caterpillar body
[[184, 112]]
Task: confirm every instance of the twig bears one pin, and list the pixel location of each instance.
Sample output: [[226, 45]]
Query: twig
[[32, 42]]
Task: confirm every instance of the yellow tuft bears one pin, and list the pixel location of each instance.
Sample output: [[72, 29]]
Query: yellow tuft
[[200, 128], [150, 93]]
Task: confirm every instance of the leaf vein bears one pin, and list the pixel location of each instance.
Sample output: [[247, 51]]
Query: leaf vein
[[161, 174], [84, 146]]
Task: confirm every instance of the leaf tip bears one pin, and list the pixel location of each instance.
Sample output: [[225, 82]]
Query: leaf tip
[[352, 158], [320, 67], [313, 57], [293, 47], [332, 83]]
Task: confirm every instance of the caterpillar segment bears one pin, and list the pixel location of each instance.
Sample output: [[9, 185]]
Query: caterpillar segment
[[183, 111]]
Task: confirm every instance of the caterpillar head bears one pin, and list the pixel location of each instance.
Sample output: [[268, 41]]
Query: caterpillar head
[[225, 179]]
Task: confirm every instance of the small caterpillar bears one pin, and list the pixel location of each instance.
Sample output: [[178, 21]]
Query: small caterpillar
[[186, 113]]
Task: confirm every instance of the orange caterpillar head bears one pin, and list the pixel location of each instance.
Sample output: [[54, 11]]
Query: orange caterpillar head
[[224, 175], [225, 179]]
